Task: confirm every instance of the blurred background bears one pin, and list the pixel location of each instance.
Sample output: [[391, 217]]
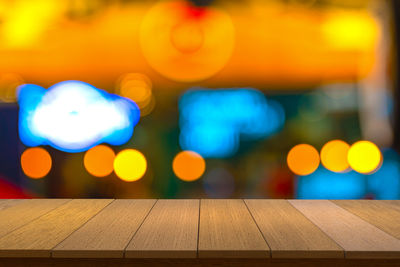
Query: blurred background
[[199, 99]]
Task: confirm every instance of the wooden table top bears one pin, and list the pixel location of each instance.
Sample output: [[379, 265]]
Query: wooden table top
[[206, 228]]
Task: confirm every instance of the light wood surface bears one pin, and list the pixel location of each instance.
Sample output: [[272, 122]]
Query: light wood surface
[[289, 234], [379, 213], [108, 233], [38, 237], [227, 229], [169, 231], [359, 238], [6, 203], [28, 210], [201, 232]]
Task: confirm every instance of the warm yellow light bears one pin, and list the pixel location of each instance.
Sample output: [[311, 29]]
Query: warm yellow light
[[99, 161], [130, 165], [303, 159], [28, 20], [351, 30], [334, 155], [188, 166], [36, 162], [364, 157]]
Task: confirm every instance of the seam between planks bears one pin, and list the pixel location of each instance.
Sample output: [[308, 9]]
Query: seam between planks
[[68, 200], [51, 250], [345, 256], [144, 219], [344, 251], [198, 231], [251, 214], [363, 219]]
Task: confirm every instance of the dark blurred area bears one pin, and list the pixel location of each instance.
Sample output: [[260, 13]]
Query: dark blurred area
[[200, 99]]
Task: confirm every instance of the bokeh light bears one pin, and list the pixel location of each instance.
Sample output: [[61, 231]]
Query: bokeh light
[[36, 162], [9, 83], [73, 116], [130, 165], [334, 155], [187, 37], [303, 159], [188, 166], [213, 121], [325, 184], [190, 43], [385, 182], [99, 160], [138, 88], [364, 157]]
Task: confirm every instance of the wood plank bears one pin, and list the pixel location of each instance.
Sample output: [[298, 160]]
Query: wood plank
[[169, 231], [393, 203], [196, 262], [289, 234], [28, 210], [379, 213], [108, 233], [228, 230], [7, 203], [358, 238], [37, 238]]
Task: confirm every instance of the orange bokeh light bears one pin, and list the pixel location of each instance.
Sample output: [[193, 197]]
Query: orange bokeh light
[[187, 37], [190, 43], [303, 159], [137, 87], [99, 160], [334, 155], [188, 166], [36, 162]]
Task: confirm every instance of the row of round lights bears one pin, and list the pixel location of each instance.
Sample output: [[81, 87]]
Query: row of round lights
[[100, 161], [337, 156]]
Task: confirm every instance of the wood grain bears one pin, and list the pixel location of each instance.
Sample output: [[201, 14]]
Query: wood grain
[[379, 213], [358, 238], [228, 230], [7, 203], [107, 234], [289, 234], [28, 210], [393, 203], [169, 231], [37, 238]]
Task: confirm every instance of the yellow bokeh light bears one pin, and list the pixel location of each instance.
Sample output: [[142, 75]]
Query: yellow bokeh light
[[99, 161], [364, 157], [303, 159], [130, 165], [36, 162], [188, 166], [334, 155], [350, 30]]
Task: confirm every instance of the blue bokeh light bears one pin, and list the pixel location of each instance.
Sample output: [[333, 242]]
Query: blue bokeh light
[[213, 122], [385, 183], [74, 116], [324, 184]]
